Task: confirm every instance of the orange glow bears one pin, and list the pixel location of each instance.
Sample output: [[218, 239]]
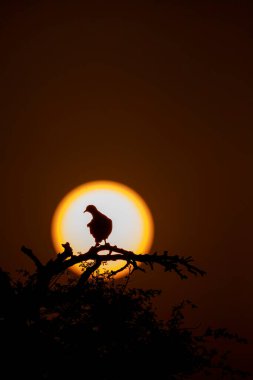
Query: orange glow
[[133, 227]]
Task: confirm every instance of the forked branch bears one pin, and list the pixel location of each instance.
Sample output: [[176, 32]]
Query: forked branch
[[181, 265]]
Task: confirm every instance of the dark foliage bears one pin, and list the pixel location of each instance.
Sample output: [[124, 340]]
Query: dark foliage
[[102, 330]]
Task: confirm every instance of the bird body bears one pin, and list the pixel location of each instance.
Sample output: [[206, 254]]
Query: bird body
[[100, 225]]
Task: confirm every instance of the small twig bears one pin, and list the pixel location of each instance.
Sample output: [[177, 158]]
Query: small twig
[[113, 273]]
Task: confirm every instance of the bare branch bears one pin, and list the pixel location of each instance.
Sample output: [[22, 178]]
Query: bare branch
[[168, 262], [28, 252], [113, 273], [65, 260]]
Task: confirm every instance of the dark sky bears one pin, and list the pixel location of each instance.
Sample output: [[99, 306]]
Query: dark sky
[[154, 94]]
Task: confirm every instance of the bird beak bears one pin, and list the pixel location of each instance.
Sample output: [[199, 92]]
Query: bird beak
[[85, 211]]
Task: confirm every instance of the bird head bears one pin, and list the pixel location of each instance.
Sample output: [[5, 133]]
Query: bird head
[[91, 208]]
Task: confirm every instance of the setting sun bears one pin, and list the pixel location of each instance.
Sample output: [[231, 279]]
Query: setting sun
[[133, 227]]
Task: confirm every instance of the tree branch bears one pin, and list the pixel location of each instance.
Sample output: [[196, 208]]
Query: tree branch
[[28, 252], [88, 272], [66, 259]]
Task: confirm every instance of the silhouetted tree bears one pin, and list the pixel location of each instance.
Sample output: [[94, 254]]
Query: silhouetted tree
[[94, 327]]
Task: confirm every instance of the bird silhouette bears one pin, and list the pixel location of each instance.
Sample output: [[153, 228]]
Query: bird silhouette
[[100, 226]]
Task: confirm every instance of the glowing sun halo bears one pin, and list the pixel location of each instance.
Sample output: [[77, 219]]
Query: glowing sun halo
[[133, 227]]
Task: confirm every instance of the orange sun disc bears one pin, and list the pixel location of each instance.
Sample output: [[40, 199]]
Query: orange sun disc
[[133, 226]]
